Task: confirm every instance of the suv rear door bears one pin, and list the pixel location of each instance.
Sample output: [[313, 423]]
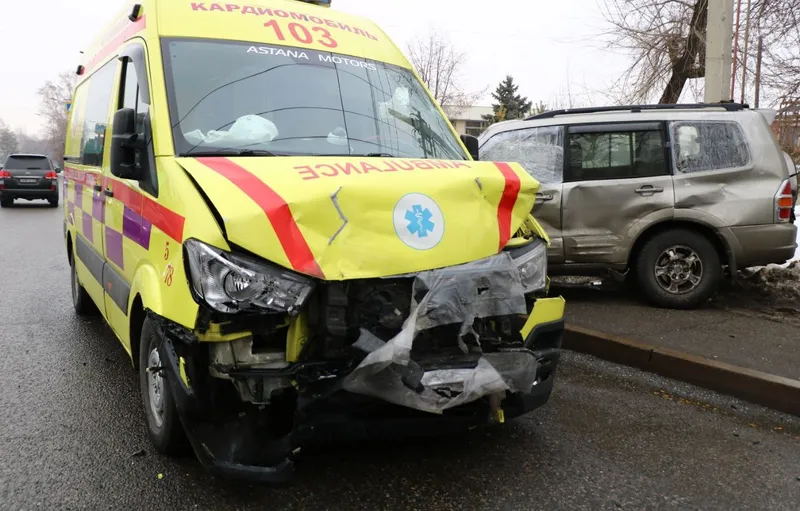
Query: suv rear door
[[540, 151], [715, 173], [617, 181]]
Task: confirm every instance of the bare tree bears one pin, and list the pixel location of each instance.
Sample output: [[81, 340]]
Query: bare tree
[[666, 42], [32, 143], [439, 65], [8, 142], [54, 96]]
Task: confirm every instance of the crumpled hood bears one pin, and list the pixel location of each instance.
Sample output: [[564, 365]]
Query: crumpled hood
[[347, 218]]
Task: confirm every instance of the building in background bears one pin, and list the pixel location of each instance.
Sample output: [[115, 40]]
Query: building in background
[[468, 120], [787, 127]]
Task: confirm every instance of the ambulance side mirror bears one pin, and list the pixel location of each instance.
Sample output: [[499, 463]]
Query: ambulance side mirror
[[472, 145], [125, 143]]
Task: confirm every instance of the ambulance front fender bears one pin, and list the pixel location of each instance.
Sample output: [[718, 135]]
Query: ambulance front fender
[[147, 287]]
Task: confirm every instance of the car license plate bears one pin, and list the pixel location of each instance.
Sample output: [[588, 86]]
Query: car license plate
[[28, 181]]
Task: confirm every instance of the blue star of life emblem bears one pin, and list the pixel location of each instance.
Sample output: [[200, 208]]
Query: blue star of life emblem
[[419, 221]]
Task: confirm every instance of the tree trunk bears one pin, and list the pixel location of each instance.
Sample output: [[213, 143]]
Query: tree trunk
[[686, 65]]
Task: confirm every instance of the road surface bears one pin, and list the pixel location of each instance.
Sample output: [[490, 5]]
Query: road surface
[[72, 433]]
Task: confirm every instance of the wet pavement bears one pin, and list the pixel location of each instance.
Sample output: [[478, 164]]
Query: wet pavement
[[72, 431]]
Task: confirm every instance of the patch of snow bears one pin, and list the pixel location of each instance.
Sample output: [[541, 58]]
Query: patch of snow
[[797, 252], [775, 284]]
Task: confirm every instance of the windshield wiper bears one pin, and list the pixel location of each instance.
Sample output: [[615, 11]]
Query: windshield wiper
[[230, 152], [358, 155]]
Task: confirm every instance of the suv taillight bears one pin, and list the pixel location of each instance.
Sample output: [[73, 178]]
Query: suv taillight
[[4, 174], [784, 203], [51, 175]]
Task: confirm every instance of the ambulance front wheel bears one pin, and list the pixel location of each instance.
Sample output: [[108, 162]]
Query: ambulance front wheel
[[163, 424]]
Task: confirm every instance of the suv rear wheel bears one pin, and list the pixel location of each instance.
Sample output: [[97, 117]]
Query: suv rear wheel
[[678, 269], [6, 202]]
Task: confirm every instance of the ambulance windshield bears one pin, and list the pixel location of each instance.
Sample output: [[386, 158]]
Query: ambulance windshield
[[232, 97]]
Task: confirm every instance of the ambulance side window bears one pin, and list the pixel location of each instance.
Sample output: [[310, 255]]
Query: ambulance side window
[[101, 85], [131, 96]]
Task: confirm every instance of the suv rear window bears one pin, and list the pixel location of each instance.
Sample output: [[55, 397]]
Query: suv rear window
[[27, 163], [708, 145]]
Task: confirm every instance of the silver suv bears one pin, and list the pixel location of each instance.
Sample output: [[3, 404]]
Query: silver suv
[[671, 193]]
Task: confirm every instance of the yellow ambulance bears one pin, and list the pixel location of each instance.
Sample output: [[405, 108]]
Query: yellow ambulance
[[290, 240]]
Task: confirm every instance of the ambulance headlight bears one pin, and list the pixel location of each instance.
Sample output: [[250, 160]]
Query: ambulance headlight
[[531, 261], [232, 283]]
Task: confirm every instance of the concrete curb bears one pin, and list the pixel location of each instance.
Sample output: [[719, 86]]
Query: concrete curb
[[757, 387]]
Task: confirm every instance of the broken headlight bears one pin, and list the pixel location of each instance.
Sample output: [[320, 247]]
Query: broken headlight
[[232, 283], [531, 261]]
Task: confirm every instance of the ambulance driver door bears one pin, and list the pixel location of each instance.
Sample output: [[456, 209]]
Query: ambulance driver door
[[127, 232]]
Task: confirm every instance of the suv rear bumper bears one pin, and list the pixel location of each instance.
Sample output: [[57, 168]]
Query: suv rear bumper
[[29, 193], [760, 245]]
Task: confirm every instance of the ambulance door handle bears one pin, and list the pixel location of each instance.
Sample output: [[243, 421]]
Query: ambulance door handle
[[109, 192], [98, 188]]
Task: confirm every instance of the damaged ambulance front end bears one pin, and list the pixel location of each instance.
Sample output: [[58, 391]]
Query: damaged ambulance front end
[[369, 336], [365, 276]]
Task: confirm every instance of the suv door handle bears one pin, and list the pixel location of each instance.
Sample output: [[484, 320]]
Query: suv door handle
[[108, 192], [544, 198], [98, 188], [648, 189]]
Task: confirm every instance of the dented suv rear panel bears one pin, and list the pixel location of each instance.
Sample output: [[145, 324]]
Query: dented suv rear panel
[[325, 259]]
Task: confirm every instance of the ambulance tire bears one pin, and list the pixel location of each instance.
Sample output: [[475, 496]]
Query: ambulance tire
[[163, 423], [81, 301]]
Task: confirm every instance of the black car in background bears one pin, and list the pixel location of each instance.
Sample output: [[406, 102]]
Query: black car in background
[[29, 177]]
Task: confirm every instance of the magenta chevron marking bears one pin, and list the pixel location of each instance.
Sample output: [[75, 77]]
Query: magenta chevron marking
[[88, 231], [136, 228], [99, 207], [78, 196], [114, 247]]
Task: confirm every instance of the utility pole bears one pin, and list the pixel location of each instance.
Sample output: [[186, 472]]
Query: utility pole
[[719, 41], [735, 45], [758, 70], [744, 56]]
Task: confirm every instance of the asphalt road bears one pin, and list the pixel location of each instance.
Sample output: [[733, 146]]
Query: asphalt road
[[611, 437]]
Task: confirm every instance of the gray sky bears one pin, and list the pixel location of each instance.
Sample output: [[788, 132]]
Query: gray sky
[[549, 47]]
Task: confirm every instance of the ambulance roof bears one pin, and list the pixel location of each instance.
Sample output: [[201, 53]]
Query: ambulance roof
[[268, 22]]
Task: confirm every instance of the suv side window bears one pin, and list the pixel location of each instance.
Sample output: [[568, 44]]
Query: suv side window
[[708, 145], [540, 151], [596, 153]]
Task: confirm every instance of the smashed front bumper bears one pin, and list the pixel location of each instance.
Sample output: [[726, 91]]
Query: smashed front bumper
[[388, 386]]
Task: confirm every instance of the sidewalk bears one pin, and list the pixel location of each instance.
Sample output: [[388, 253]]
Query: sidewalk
[[758, 338]]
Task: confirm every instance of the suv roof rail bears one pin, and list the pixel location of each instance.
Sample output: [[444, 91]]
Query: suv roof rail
[[729, 106]]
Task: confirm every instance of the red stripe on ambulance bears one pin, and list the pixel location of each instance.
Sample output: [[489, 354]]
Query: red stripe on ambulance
[[130, 30], [168, 221], [277, 210], [507, 201]]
